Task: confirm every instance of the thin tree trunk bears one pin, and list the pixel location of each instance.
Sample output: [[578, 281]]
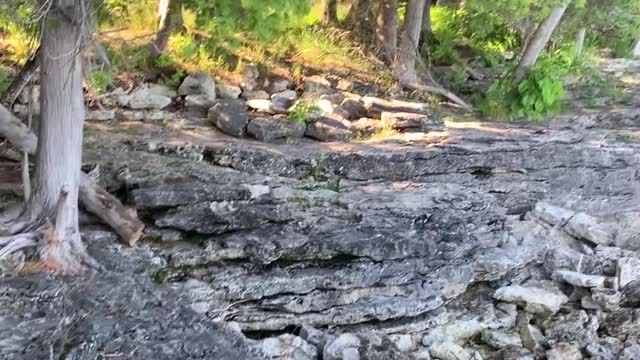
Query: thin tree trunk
[[636, 49], [359, 12], [22, 79], [170, 13], [539, 41], [388, 28], [330, 14], [59, 151], [405, 68], [580, 41]]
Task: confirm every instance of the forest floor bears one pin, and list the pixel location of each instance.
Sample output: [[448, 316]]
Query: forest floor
[[480, 240]]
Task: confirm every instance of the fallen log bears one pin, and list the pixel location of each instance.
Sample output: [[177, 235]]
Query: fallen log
[[95, 199]]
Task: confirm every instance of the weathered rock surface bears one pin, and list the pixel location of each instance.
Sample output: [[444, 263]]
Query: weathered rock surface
[[327, 128], [275, 129], [535, 299], [230, 117], [198, 83], [145, 97], [228, 92], [376, 106]]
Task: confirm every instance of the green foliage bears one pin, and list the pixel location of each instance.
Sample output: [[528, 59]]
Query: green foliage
[[5, 80], [539, 94], [100, 81], [303, 113]]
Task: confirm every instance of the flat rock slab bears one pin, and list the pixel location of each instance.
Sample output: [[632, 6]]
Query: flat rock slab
[[376, 106], [275, 129], [535, 299]]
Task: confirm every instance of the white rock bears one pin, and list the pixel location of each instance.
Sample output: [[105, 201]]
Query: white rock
[[628, 270], [564, 351], [499, 339], [536, 300], [350, 354], [334, 350], [143, 98], [162, 90], [100, 115], [325, 106], [450, 351], [260, 105], [198, 102], [404, 342], [581, 280], [288, 347]]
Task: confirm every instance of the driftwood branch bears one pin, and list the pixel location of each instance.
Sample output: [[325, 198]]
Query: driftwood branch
[[440, 91], [95, 199]]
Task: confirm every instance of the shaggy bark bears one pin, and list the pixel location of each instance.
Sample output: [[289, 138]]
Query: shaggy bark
[[539, 41], [170, 14], [405, 68], [388, 28]]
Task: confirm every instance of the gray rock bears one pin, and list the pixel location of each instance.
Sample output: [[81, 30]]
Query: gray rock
[[220, 217], [403, 121], [172, 195], [376, 106], [230, 117], [354, 109], [552, 215], [275, 129], [335, 349], [279, 84], [583, 226], [450, 351], [327, 128], [624, 322], [100, 115], [500, 339], [602, 299], [537, 300], [198, 83], [564, 351], [198, 103], [228, 92], [628, 270], [315, 86], [144, 98], [576, 328], [631, 349], [514, 353], [350, 354], [150, 115], [334, 99], [422, 354], [315, 337], [162, 90], [607, 348], [288, 347], [260, 105], [581, 280], [255, 94], [366, 127], [250, 76], [283, 100], [532, 337]]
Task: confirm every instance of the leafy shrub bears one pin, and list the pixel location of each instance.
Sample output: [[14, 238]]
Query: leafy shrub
[[303, 113], [101, 80]]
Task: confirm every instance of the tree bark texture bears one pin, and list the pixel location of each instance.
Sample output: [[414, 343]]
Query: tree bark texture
[[539, 41], [405, 68], [388, 28], [330, 14], [426, 17], [170, 14]]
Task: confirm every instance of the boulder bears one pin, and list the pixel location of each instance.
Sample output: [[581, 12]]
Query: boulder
[[327, 128], [162, 90], [275, 129], [228, 92], [279, 85], [607, 348], [621, 323], [198, 83], [366, 127], [230, 117], [576, 327], [336, 349], [499, 339], [451, 351], [404, 342], [250, 76], [316, 86], [325, 106], [198, 103], [354, 109], [282, 101], [145, 98], [335, 98], [628, 270], [514, 353]]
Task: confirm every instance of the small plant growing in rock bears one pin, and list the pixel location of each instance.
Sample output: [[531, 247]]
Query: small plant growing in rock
[[303, 113]]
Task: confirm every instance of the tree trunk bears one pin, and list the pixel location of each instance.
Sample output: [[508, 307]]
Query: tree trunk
[[22, 79], [359, 13], [580, 41], [59, 151], [426, 18], [388, 28], [330, 14], [405, 66], [636, 49], [539, 41], [170, 14]]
